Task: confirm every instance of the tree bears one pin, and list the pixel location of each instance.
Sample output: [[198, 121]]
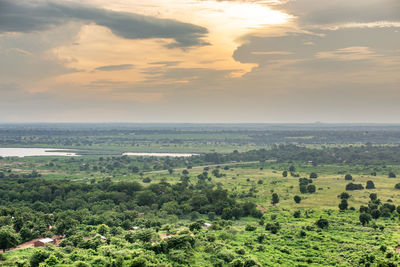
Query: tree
[[311, 188], [397, 186], [344, 195], [370, 185], [364, 218], [292, 168], [303, 189], [322, 223], [343, 204], [352, 186], [392, 175], [348, 177], [275, 199], [313, 175], [170, 171], [8, 238], [284, 173], [373, 196], [297, 199], [185, 172]]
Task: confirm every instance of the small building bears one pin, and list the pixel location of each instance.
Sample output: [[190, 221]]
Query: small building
[[43, 242]]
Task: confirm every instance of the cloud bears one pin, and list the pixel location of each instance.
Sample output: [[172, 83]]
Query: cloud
[[312, 12], [23, 16], [115, 67]]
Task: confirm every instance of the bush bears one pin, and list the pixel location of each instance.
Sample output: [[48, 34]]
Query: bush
[[322, 223], [392, 175], [313, 175], [343, 204], [352, 186], [297, 214], [370, 185], [311, 188], [397, 186], [297, 199], [348, 177], [273, 227], [344, 195], [250, 228]]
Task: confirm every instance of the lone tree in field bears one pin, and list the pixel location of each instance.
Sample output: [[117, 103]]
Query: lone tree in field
[[397, 186], [275, 199], [348, 177], [311, 188], [297, 199], [370, 185], [284, 173], [313, 175], [8, 238], [343, 204], [392, 175], [365, 218]]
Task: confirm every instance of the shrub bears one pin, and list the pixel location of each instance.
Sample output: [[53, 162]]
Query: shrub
[[273, 227], [297, 199], [250, 228], [370, 185], [352, 186], [344, 195], [348, 177], [343, 204], [392, 175], [322, 223], [397, 186], [313, 175], [311, 188]]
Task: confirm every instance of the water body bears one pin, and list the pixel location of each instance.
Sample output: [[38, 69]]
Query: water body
[[29, 152], [174, 155]]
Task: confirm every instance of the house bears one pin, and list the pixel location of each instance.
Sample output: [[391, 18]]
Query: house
[[43, 242]]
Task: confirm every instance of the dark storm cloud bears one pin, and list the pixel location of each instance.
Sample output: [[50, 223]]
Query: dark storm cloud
[[23, 16], [115, 67]]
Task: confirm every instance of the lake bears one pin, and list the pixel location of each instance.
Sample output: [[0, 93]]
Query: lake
[[29, 152], [174, 155]]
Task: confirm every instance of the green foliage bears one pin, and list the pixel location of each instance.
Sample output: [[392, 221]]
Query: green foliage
[[343, 205], [370, 185], [348, 177], [275, 199], [8, 238], [297, 199], [322, 223]]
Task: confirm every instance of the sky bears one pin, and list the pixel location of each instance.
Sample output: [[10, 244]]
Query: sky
[[273, 61]]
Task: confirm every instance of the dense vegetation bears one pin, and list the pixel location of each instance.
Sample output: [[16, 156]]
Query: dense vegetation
[[288, 203]]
